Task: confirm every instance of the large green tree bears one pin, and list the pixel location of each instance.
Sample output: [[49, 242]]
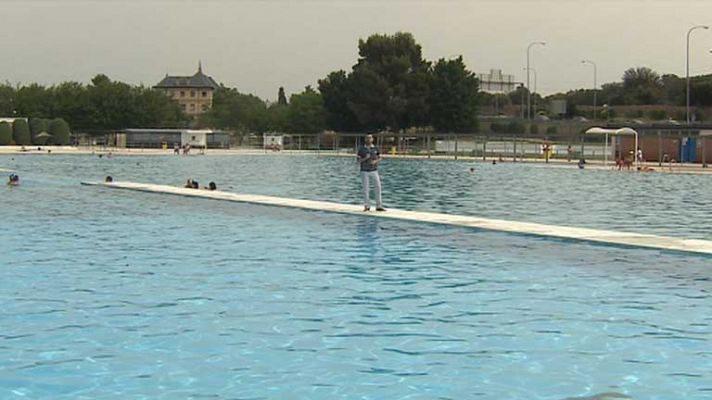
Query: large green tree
[[453, 100], [7, 100], [234, 110], [70, 101], [335, 95], [21, 132], [277, 118], [390, 87], [642, 85], [306, 112], [34, 101]]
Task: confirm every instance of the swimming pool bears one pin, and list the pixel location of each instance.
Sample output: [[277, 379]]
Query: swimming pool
[[110, 294]]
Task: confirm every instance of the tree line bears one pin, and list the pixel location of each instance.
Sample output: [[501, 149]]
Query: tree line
[[102, 105], [644, 86], [391, 87], [638, 86]]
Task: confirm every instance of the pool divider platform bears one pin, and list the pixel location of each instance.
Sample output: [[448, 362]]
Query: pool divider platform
[[525, 228]]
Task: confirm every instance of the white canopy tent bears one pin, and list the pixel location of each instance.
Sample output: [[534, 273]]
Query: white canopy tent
[[614, 132]]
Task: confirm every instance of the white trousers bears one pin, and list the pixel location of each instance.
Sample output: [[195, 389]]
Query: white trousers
[[366, 176]]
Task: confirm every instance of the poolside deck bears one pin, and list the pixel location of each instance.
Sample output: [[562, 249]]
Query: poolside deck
[[526, 228]]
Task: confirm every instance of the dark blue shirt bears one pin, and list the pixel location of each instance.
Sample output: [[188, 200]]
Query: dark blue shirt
[[373, 155]]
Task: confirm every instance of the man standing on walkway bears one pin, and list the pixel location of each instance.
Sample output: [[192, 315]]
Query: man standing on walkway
[[369, 157]]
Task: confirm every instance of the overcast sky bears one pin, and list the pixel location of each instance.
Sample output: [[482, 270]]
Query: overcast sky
[[258, 46]]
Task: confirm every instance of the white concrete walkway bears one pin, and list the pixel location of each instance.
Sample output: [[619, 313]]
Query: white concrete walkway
[[528, 228]]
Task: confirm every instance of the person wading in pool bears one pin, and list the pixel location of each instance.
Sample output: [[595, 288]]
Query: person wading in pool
[[369, 157]]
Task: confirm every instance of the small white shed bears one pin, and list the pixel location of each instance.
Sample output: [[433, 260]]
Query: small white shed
[[195, 137]]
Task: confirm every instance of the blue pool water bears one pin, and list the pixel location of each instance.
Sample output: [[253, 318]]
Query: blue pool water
[[120, 295]]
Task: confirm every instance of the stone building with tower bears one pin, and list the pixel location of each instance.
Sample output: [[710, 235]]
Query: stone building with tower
[[193, 93]]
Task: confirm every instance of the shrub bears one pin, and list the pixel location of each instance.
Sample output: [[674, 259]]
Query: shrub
[[496, 127], [657, 115], [21, 132], [5, 134], [37, 126], [515, 127], [59, 129]]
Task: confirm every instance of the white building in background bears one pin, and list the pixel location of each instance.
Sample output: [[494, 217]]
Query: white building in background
[[495, 81]]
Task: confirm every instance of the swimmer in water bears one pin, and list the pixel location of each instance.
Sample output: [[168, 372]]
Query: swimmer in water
[[13, 180], [108, 179]]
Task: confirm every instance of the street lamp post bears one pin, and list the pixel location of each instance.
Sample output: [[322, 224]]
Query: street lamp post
[[687, 68], [595, 84], [529, 96], [535, 90]]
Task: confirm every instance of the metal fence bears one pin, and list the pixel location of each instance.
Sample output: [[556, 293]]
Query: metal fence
[[658, 145]]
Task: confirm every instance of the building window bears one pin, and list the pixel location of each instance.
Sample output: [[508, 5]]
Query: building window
[[183, 106], [205, 107], [182, 93], [192, 107], [192, 93], [205, 94]]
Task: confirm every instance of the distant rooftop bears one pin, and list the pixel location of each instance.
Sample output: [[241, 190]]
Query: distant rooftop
[[198, 80]]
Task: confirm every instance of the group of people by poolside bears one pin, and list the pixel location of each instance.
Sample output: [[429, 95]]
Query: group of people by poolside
[[177, 149], [626, 162], [186, 149], [191, 184]]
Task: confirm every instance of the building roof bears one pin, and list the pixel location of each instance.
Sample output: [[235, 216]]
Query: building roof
[[198, 80]]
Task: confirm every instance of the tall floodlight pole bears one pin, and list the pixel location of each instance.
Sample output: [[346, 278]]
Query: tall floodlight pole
[[529, 95], [595, 84], [687, 68]]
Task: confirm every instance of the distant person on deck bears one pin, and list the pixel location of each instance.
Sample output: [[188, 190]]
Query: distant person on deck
[[368, 158]]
